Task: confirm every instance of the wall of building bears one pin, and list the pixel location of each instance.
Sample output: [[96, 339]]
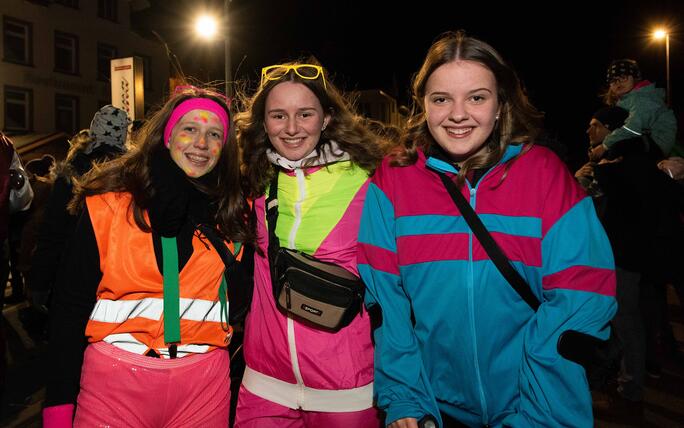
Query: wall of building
[[378, 105], [47, 17]]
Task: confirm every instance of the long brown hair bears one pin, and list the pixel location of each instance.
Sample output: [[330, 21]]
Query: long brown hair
[[131, 172], [345, 128], [518, 121]]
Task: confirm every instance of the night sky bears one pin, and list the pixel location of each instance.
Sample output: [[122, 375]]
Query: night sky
[[559, 49]]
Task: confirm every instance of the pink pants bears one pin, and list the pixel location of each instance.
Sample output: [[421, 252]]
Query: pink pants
[[122, 389], [256, 412]]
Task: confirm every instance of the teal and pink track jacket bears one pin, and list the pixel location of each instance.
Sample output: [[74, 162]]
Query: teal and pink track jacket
[[477, 351]]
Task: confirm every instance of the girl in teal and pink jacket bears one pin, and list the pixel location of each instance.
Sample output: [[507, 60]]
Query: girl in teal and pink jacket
[[457, 343]]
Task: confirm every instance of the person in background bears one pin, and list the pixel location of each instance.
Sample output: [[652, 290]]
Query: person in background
[[20, 197], [39, 176], [649, 116], [104, 140], [298, 128], [456, 342], [15, 193], [142, 281], [622, 188]]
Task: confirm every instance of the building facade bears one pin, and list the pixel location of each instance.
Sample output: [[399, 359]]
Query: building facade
[[54, 62], [378, 105]]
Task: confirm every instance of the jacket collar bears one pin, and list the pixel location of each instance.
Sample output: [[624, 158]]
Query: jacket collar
[[438, 162]]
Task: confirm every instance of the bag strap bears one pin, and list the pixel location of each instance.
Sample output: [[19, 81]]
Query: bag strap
[[272, 221], [491, 247], [228, 260]]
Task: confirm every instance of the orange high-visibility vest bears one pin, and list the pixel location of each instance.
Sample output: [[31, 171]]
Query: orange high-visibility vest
[[129, 308]]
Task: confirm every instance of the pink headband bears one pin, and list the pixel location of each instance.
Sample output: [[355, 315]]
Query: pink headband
[[196, 104]]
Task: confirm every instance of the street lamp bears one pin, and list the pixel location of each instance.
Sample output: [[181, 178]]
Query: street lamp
[[660, 34], [207, 27]]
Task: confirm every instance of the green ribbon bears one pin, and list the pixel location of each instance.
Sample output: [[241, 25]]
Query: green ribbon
[[171, 291]]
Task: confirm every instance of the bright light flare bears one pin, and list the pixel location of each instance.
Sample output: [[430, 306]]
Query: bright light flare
[[659, 34], [206, 27]]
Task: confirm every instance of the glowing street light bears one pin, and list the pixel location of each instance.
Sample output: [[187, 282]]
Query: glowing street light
[[658, 34], [207, 27]]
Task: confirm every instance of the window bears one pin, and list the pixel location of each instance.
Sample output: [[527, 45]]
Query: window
[[18, 109], [147, 70], [107, 9], [17, 41], [66, 53], [68, 3], [66, 113], [104, 54]]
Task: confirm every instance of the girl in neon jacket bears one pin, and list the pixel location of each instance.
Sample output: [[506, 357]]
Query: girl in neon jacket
[[298, 126], [455, 337]]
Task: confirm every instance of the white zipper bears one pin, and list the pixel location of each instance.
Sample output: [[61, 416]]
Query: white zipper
[[297, 208], [295, 360]]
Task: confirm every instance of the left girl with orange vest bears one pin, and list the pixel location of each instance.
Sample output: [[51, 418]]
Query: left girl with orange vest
[[144, 285]]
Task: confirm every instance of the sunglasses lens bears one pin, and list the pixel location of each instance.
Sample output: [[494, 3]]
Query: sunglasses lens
[[276, 73], [308, 71]]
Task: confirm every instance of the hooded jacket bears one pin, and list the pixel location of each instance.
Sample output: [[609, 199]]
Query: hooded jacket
[[647, 112]]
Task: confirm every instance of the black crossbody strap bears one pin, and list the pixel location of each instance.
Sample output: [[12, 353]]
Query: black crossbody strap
[[491, 247], [219, 245], [271, 220]]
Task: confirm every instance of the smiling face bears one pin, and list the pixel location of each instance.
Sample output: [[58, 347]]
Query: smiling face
[[294, 120], [461, 106], [196, 142]]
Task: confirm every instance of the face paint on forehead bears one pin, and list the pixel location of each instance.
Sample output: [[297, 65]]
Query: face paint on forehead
[[204, 117]]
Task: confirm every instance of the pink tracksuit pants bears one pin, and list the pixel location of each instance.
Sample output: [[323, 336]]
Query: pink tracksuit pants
[[122, 389]]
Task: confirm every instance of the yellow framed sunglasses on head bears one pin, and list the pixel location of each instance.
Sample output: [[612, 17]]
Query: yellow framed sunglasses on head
[[305, 71]]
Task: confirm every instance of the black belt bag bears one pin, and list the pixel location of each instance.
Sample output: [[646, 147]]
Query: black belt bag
[[322, 293]]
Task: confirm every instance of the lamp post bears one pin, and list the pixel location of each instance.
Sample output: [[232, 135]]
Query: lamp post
[[660, 34], [226, 43], [207, 27]]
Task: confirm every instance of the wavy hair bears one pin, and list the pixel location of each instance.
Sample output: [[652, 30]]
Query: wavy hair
[[131, 173], [345, 128], [518, 121]]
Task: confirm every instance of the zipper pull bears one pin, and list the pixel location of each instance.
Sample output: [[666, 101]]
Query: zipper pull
[[287, 295]]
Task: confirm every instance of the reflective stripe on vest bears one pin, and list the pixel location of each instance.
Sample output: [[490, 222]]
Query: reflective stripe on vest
[[129, 343], [118, 311]]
